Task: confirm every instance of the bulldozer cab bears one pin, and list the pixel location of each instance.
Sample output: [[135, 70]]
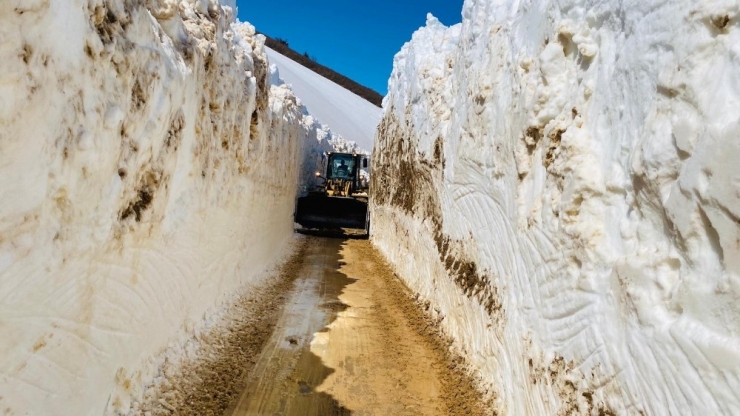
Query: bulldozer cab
[[341, 201], [341, 166]]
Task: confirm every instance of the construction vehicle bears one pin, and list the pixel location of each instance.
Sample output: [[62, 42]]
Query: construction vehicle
[[340, 201]]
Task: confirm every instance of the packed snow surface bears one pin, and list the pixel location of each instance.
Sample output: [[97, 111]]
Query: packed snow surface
[[134, 138], [348, 115], [559, 179]]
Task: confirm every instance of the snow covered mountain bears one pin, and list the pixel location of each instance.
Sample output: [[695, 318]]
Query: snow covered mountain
[[559, 180], [346, 114]]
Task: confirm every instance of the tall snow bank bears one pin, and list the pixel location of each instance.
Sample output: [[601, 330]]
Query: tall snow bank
[[559, 180], [135, 141]]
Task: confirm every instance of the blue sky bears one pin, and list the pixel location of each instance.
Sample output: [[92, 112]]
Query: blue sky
[[355, 38]]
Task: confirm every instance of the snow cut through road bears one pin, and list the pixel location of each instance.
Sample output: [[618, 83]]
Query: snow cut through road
[[350, 340]]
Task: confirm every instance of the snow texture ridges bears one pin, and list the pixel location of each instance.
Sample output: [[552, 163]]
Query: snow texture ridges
[[559, 180], [148, 170]]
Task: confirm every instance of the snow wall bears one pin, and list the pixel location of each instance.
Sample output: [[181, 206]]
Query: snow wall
[[559, 181], [135, 138]]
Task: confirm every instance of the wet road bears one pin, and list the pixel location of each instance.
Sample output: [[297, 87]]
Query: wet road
[[350, 340]]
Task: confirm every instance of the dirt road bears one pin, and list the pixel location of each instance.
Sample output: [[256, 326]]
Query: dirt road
[[350, 340]]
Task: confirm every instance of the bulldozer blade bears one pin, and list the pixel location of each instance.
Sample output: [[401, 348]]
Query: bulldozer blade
[[331, 212]]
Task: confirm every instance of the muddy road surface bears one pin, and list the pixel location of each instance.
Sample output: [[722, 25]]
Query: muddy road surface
[[350, 340]]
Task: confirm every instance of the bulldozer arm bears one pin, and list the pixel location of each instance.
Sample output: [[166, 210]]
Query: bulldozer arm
[[321, 211]]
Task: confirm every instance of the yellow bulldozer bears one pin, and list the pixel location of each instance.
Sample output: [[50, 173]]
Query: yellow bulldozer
[[340, 201]]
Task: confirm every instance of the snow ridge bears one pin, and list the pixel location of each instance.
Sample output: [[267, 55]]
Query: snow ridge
[[134, 137], [563, 179]]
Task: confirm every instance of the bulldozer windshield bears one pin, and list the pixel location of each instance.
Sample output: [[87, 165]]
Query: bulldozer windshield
[[341, 166]]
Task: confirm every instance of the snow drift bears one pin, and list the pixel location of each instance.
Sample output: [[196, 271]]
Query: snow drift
[[559, 180], [135, 138]]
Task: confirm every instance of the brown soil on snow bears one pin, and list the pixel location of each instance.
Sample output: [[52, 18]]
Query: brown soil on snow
[[208, 384], [353, 341], [338, 335]]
